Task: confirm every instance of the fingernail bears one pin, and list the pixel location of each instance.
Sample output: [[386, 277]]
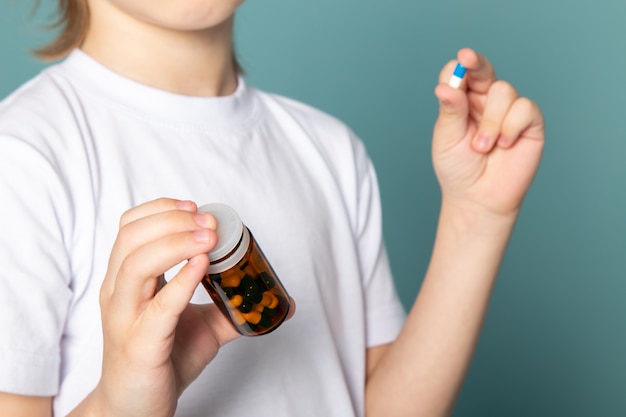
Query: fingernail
[[482, 142], [186, 205], [201, 236], [204, 220]]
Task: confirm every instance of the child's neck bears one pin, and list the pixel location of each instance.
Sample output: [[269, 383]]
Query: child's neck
[[189, 63]]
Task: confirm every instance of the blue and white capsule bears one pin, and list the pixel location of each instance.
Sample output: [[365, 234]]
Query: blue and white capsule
[[457, 77]]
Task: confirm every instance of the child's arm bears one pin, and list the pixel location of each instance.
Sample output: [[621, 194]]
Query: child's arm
[[155, 342], [25, 406], [487, 144]]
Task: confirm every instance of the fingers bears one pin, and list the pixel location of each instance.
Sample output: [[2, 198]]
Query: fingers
[[447, 71], [452, 124], [129, 237], [153, 238], [458, 106], [156, 206], [163, 311], [137, 278], [151, 227], [487, 110], [507, 117], [524, 119], [480, 73], [500, 98]]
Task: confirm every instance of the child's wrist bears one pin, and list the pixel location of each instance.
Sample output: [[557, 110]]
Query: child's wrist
[[91, 406], [470, 218]]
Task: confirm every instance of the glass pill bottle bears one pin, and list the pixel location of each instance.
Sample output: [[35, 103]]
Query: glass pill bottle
[[240, 280]]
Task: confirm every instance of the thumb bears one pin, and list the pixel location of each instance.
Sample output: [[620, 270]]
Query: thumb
[[452, 123]]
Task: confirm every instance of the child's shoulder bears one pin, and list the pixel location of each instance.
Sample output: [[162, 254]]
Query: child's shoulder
[[40, 114], [39, 97]]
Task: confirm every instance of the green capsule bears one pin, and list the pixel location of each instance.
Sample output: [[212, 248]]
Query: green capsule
[[245, 307], [252, 296], [229, 291], [270, 311], [248, 283], [265, 321], [267, 279]]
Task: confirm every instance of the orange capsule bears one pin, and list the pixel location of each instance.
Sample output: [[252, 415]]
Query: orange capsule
[[274, 301], [258, 307], [253, 317], [231, 280], [237, 316], [236, 300], [266, 300]]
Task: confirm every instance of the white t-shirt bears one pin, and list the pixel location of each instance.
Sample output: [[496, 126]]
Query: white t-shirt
[[79, 145]]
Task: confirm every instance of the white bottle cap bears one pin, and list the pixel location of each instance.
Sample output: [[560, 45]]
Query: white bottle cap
[[231, 234]]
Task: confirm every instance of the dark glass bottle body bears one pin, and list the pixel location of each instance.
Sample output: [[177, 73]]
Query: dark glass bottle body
[[245, 287]]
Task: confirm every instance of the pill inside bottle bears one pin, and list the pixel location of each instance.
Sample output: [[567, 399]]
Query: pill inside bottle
[[240, 279]]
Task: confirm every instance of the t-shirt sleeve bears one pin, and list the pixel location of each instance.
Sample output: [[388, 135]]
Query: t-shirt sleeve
[[34, 269], [385, 314]]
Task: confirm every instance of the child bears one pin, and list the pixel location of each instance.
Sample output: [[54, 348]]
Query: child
[[146, 119]]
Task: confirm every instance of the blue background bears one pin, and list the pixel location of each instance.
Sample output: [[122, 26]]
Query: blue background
[[554, 342]]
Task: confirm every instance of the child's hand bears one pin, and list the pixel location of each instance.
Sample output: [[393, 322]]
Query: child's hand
[[487, 141], [156, 343]]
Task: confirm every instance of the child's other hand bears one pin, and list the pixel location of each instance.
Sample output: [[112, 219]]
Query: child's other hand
[[487, 140], [156, 343]]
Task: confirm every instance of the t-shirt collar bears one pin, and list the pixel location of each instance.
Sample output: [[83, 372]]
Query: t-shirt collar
[[234, 110]]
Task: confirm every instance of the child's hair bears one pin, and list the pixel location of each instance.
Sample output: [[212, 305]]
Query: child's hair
[[73, 21]]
